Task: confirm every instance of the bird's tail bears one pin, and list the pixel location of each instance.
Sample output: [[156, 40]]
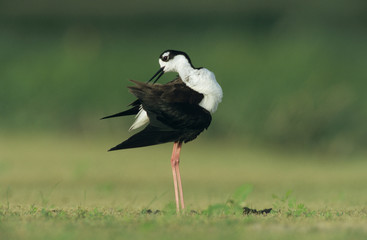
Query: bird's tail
[[147, 137]]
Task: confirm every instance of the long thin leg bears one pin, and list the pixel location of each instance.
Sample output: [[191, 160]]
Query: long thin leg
[[178, 150], [173, 164]]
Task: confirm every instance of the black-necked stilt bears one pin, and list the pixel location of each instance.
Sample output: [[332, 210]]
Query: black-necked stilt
[[175, 112]]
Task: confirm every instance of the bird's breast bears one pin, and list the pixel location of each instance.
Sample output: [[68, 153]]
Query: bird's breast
[[204, 82]]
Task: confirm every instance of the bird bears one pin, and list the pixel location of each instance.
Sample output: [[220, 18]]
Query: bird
[[177, 111]]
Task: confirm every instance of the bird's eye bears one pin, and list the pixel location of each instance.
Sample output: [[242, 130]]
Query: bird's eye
[[165, 58]]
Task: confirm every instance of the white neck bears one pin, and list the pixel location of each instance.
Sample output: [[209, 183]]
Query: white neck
[[185, 72]]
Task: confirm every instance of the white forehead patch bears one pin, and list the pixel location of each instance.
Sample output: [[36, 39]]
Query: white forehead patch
[[166, 54]]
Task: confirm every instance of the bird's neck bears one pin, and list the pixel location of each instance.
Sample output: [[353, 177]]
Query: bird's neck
[[185, 71]]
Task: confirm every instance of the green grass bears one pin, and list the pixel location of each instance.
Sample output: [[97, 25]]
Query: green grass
[[68, 187]]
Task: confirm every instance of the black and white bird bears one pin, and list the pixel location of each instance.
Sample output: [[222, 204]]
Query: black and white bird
[[177, 111]]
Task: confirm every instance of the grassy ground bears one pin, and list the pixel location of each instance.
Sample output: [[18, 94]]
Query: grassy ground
[[71, 188]]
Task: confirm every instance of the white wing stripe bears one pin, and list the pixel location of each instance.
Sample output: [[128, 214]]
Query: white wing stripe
[[141, 119]]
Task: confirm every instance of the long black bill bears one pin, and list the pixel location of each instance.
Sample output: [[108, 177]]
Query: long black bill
[[159, 73]]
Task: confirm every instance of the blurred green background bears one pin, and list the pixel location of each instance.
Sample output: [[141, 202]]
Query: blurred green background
[[293, 73]]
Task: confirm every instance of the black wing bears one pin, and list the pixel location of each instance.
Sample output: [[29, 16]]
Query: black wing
[[181, 123], [175, 89], [173, 112], [178, 110]]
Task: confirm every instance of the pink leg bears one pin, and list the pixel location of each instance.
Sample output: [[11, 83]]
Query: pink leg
[[173, 164], [179, 146]]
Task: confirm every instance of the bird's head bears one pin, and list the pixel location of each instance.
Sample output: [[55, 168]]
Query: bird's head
[[171, 61]]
